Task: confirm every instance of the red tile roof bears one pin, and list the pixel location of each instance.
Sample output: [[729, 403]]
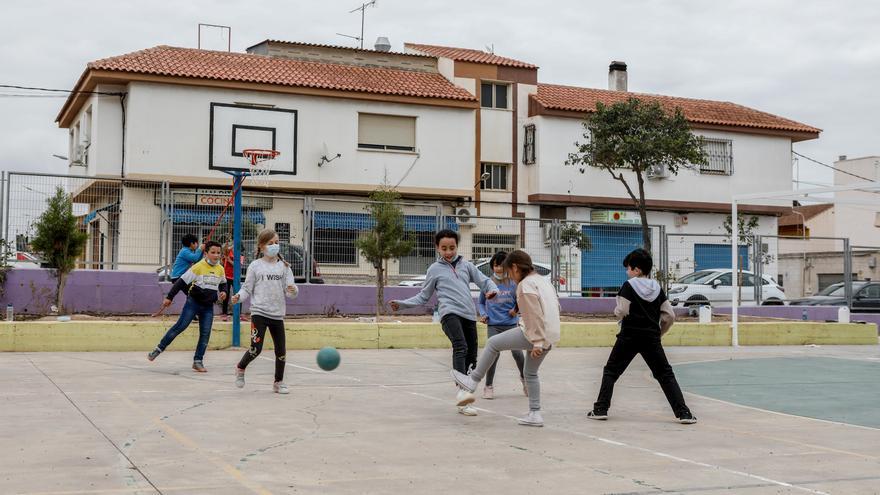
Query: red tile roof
[[468, 55], [242, 67], [575, 99], [808, 213]]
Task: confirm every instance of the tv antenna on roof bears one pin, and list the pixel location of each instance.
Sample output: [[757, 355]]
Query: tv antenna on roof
[[226, 29], [363, 9]]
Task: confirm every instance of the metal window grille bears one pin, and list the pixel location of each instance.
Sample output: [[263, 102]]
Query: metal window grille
[[529, 145], [497, 176], [719, 157]]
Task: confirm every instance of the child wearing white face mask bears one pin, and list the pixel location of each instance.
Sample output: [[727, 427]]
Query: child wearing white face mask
[[269, 279]]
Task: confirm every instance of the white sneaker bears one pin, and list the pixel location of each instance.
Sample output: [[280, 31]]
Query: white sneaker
[[467, 410], [488, 392], [280, 388], [239, 377], [533, 418], [464, 381], [463, 398]]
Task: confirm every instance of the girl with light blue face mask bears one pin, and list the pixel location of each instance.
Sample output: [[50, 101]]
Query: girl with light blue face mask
[[269, 279]]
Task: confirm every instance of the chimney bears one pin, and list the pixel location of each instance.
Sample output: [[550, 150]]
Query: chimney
[[841, 158], [617, 76], [382, 44]]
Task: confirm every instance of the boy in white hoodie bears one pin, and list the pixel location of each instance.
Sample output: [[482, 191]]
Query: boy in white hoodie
[[645, 316]]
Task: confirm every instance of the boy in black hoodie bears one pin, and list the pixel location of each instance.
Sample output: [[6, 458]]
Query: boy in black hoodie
[[645, 315]]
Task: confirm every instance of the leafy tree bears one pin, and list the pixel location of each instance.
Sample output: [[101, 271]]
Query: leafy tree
[[571, 235], [59, 240], [634, 136], [387, 239]]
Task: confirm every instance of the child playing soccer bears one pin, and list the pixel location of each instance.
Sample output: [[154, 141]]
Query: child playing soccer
[[204, 283], [538, 333], [269, 278], [188, 255], [645, 316], [451, 277], [500, 314]]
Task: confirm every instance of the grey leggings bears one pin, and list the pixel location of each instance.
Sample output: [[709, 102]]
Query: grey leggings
[[510, 341], [492, 331]]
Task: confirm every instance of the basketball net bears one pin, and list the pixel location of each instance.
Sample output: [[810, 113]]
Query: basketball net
[[261, 162]]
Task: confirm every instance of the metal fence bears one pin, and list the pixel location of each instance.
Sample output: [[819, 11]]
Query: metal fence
[[805, 266], [117, 214], [138, 226]]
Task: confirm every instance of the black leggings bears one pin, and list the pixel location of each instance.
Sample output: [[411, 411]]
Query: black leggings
[[258, 336], [463, 335]]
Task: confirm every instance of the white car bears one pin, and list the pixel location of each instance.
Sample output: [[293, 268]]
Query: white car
[[715, 286], [543, 269]]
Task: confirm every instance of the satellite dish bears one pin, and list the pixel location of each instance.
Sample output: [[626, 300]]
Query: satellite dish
[[325, 154]]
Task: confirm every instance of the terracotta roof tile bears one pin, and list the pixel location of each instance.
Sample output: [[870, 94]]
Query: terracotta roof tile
[[468, 55], [226, 66], [575, 99]]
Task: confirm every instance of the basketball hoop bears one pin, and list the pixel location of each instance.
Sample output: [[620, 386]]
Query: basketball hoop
[[260, 164]]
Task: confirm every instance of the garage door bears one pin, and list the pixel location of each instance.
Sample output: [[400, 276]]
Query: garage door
[[708, 256], [601, 267]]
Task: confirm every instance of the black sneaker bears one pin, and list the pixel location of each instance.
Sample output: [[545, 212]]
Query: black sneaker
[[154, 354], [597, 415], [687, 418]]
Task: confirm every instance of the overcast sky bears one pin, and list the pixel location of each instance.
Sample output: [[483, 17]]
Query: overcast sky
[[817, 62]]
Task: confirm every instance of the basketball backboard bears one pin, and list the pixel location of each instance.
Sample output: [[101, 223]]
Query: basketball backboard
[[235, 128]]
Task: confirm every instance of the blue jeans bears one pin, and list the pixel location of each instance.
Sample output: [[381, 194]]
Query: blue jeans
[[191, 309]]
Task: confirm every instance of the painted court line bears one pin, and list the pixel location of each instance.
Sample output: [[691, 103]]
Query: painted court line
[[646, 450], [188, 442]]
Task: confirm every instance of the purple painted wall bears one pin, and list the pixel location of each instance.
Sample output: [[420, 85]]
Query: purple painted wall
[[115, 292], [814, 313]]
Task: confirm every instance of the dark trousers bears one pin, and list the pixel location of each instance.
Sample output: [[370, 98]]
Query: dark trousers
[[492, 331], [624, 351], [259, 324], [229, 295], [463, 335], [191, 310]]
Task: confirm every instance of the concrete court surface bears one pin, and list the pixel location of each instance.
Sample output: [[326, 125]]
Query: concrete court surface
[[385, 422]]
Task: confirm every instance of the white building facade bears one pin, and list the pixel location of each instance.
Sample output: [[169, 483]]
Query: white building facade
[[457, 131]]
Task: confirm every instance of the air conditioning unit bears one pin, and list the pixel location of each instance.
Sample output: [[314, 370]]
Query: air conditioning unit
[[655, 172], [548, 233], [465, 216]]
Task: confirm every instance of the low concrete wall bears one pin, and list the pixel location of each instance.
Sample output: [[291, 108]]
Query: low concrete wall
[[813, 313], [143, 336]]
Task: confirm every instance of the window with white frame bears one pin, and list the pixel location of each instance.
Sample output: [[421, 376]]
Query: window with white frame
[[529, 145], [486, 245], [494, 95], [497, 179], [719, 157], [386, 132]]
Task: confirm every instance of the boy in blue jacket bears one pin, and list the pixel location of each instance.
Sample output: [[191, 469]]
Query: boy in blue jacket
[[188, 255]]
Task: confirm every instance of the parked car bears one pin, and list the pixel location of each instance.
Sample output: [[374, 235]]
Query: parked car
[[866, 297], [21, 259], [482, 264], [295, 255], [715, 286]]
